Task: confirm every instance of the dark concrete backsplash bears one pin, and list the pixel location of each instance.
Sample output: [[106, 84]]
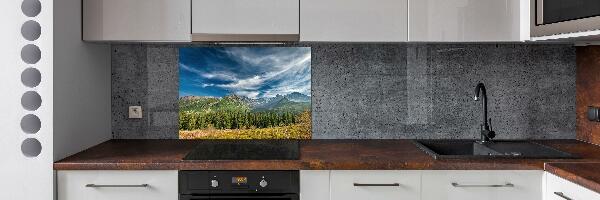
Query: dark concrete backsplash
[[383, 91]]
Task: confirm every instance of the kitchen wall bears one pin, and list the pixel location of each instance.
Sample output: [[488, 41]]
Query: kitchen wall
[[381, 91], [588, 83]]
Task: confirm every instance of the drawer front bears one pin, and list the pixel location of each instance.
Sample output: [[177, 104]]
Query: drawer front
[[117, 185], [375, 185], [482, 185], [560, 189]]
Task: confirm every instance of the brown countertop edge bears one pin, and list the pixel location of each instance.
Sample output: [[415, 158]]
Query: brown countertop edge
[[584, 174], [331, 155], [314, 155]]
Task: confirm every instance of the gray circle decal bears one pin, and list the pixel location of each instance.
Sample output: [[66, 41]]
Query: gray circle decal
[[31, 54], [31, 30], [31, 147], [31, 77], [31, 8], [31, 124]]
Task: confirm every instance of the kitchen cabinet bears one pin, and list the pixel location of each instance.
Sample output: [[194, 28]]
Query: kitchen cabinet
[[468, 21], [354, 20], [117, 185], [242, 20], [375, 185], [482, 185], [136, 20], [314, 184], [560, 189]]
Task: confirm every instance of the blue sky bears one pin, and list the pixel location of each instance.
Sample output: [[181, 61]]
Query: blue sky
[[254, 72]]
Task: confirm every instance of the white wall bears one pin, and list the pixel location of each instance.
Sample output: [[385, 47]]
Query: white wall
[[82, 99], [23, 177]]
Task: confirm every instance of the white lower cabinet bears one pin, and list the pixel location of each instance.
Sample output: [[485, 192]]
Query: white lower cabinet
[[341, 185], [375, 185], [482, 185], [117, 185], [560, 189], [314, 184]]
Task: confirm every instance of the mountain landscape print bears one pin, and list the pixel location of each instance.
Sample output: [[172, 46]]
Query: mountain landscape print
[[245, 93]]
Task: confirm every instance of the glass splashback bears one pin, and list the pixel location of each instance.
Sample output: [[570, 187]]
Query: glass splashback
[[245, 93]]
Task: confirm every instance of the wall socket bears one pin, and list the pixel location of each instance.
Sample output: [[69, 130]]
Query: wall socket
[[135, 112]]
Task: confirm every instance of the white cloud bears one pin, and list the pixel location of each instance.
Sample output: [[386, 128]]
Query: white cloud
[[252, 83], [249, 94], [294, 78], [283, 70], [190, 69], [219, 76], [207, 85]]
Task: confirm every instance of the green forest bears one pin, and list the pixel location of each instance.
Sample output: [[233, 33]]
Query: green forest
[[234, 112], [192, 120]]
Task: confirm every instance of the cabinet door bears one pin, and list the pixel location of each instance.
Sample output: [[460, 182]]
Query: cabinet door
[[375, 185], [560, 189], [117, 185], [482, 185], [136, 20], [235, 20], [354, 20], [468, 21], [314, 185]]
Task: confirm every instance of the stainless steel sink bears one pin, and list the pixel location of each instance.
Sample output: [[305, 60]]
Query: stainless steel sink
[[469, 149]]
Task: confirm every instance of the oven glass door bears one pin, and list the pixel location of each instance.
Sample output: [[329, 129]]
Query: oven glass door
[[554, 11]]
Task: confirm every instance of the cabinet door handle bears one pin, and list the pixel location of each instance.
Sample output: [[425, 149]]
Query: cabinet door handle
[[562, 195], [376, 184], [115, 186], [492, 185]]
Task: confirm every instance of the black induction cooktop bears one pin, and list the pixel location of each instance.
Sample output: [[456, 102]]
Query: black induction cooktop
[[245, 150]]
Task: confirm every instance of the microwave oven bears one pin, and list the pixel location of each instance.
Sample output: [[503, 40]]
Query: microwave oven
[[553, 17]]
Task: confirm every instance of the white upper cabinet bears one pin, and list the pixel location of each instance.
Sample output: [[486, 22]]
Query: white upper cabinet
[[245, 20], [468, 20], [136, 20], [354, 20], [307, 20]]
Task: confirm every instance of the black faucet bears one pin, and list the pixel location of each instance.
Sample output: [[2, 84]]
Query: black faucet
[[487, 134]]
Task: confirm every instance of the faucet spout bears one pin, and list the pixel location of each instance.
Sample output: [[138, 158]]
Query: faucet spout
[[480, 94]]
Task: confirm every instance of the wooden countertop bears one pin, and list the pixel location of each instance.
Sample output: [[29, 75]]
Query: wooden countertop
[[584, 174], [314, 155], [331, 155]]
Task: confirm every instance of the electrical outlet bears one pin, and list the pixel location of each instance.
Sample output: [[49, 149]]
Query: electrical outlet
[[135, 112]]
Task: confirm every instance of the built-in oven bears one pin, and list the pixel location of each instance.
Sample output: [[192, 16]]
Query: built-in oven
[[238, 185], [552, 17]]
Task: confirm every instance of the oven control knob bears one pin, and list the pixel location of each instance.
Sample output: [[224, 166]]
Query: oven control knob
[[214, 183], [263, 183]]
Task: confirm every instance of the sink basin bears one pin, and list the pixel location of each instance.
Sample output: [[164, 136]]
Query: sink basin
[[468, 149]]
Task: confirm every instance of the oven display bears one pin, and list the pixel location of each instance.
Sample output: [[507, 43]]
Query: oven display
[[239, 180]]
